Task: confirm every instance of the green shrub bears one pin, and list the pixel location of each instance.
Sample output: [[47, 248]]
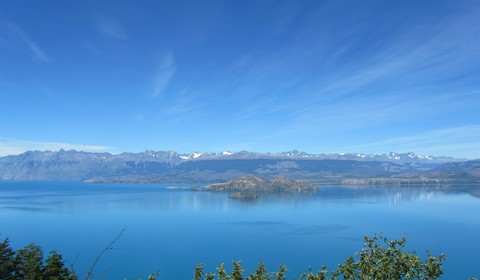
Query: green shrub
[[384, 260], [28, 264]]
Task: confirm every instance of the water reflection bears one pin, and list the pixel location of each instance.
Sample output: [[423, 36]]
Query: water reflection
[[28, 196], [290, 228]]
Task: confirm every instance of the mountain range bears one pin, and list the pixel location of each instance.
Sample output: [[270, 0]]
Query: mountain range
[[173, 167]]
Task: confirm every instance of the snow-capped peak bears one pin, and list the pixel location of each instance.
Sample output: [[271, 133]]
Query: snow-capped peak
[[194, 155]]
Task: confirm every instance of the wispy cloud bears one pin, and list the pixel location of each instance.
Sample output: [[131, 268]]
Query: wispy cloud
[[111, 28], [183, 103], [394, 108], [14, 146], [27, 40], [165, 71], [456, 141], [418, 75]]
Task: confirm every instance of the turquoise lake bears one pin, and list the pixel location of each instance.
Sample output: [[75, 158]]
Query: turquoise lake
[[172, 230]]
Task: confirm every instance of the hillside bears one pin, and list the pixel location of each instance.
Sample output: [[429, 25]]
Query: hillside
[[252, 183], [170, 167]]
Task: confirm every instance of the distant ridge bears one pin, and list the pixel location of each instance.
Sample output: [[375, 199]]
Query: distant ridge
[[175, 158], [170, 166]]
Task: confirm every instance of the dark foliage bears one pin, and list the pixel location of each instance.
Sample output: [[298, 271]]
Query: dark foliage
[[28, 264], [7, 261]]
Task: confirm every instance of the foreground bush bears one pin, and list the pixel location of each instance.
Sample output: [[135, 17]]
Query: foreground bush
[[28, 263], [385, 260], [378, 259]]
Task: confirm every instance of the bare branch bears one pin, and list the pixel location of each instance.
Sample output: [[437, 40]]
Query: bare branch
[[108, 247], [72, 264]]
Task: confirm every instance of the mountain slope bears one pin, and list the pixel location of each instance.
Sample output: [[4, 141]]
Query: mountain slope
[[150, 166]]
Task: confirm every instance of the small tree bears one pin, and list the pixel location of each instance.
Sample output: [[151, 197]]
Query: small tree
[[237, 273], [222, 274], [261, 273], [389, 262], [29, 262], [281, 273], [55, 268], [7, 261], [198, 272]]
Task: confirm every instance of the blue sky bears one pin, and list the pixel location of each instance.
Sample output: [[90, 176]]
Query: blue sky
[[265, 76]]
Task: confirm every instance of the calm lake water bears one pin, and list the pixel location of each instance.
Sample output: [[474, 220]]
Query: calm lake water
[[171, 231]]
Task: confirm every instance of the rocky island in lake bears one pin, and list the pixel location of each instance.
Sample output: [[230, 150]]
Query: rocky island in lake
[[252, 183]]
